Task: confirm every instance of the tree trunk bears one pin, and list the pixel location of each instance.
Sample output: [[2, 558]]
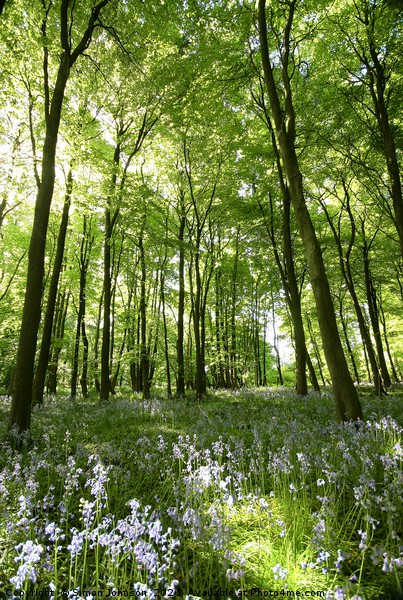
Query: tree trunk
[[84, 372], [316, 350], [110, 220], [200, 374], [373, 312], [180, 359], [85, 250], [144, 356], [385, 337], [288, 274], [96, 344], [346, 338], [41, 369], [345, 267], [219, 370], [275, 346], [233, 355], [166, 345], [106, 327], [378, 80], [345, 394], [58, 334], [20, 413], [312, 374]]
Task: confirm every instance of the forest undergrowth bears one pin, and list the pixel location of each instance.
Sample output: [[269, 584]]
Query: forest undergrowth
[[242, 494]]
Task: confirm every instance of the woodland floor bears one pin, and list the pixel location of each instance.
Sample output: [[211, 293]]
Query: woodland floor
[[256, 494]]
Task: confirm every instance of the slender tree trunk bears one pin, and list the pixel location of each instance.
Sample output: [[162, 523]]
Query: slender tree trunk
[[378, 80], [200, 368], [166, 345], [316, 351], [373, 313], [110, 220], [219, 331], [84, 257], [154, 333], [144, 355], [96, 344], [106, 327], [345, 267], [275, 345], [76, 352], [180, 359], [264, 349], [370, 378], [190, 379], [295, 300], [288, 274], [41, 369], [312, 374], [346, 338], [345, 394], [233, 355], [115, 376], [385, 337], [58, 334], [84, 372], [115, 269]]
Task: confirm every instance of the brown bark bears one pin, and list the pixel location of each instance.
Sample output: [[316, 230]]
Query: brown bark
[[180, 359], [84, 372], [110, 220], [233, 354], [345, 394], [144, 354], [57, 335], [312, 374], [315, 350], [40, 375], [386, 338], [166, 345], [347, 340], [287, 272], [345, 267], [280, 379], [373, 309], [288, 278], [84, 258]]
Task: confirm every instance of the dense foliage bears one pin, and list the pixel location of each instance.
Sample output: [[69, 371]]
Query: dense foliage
[[174, 183]]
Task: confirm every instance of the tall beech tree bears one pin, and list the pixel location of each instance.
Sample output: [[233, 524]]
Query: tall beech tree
[[20, 414], [345, 395], [40, 374]]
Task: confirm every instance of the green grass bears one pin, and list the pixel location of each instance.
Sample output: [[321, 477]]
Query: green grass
[[258, 489]]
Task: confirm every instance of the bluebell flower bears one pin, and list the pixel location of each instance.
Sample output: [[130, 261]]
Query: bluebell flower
[[29, 556], [279, 572]]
